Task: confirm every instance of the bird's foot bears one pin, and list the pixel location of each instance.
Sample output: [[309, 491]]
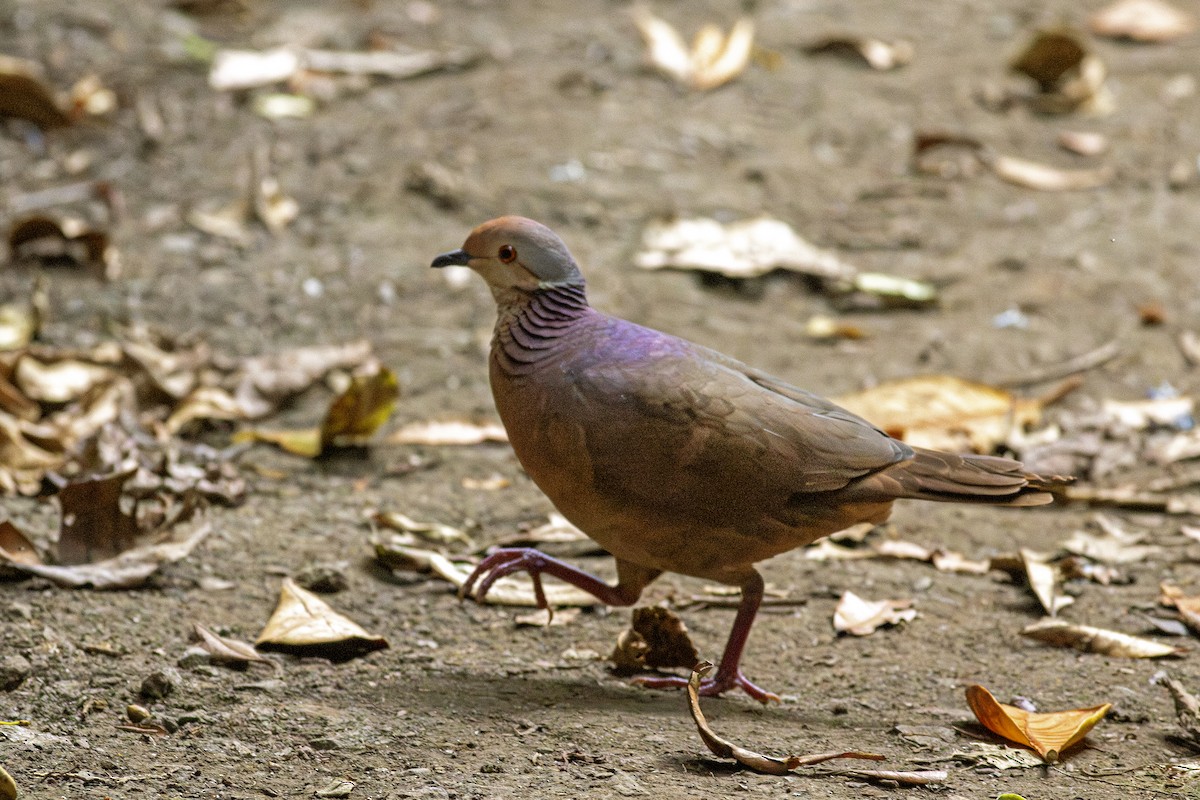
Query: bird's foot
[[501, 563], [710, 687]]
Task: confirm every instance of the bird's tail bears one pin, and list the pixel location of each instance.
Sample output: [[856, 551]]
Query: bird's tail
[[948, 477]]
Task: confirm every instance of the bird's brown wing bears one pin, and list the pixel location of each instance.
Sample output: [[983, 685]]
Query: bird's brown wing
[[682, 425]]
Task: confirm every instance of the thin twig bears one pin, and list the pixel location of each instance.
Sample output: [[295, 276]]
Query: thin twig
[[1080, 363]]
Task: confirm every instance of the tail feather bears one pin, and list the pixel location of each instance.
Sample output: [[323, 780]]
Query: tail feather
[[948, 477]]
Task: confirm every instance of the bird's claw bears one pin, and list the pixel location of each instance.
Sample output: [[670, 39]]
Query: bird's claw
[[711, 687], [504, 562]]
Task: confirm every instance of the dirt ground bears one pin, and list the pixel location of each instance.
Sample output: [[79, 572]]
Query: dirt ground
[[560, 120]]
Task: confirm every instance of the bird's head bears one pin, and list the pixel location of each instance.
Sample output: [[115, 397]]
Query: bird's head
[[515, 253]]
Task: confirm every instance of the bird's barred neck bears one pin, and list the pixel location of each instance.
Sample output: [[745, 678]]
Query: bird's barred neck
[[531, 323]]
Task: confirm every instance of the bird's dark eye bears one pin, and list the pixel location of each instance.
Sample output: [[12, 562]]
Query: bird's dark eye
[[508, 253]]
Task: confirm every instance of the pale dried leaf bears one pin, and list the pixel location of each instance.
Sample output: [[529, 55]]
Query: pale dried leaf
[[1187, 707], [246, 69], [305, 624], [744, 249], [825, 550], [19, 323], [429, 531], [825, 328], [1084, 143], [900, 549], [1043, 578], [545, 617], [1047, 178], [1049, 734], [855, 533], [128, 570], [924, 777], [1142, 21], [860, 617], [951, 561], [1188, 607], [58, 382], [557, 530], [713, 59], [449, 432], [944, 412], [1097, 640], [227, 650], [999, 756], [723, 748], [1139, 415], [875, 53], [1110, 544]]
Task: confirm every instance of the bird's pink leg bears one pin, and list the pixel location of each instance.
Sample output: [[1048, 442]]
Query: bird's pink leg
[[729, 673], [507, 560]]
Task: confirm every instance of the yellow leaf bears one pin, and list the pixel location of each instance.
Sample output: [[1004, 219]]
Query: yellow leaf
[[352, 418], [1046, 733], [359, 411], [304, 442], [943, 412]]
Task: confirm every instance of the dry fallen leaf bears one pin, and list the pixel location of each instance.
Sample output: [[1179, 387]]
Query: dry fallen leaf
[[825, 328], [1049, 734], [1044, 579], [723, 748], [745, 249], [943, 412], [713, 59], [226, 650], [1046, 178], [15, 547], [656, 638], [449, 432], [248, 69], [860, 617], [1188, 607], [875, 53], [1098, 640], [352, 418], [1084, 143], [67, 240], [1187, 707], [1109, 543], [428, 531], [94, 526], [1068, 75], [8, 787], [1136, 415], [508, 591], [1141, 21], [128, 570], [304, 624], [25, 95]]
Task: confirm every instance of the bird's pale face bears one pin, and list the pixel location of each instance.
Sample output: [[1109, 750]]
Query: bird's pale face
[[515, 254]]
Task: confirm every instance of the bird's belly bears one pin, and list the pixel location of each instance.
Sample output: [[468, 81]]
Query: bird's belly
[[705, 531]]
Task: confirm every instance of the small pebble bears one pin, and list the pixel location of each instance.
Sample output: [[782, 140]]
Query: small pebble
[[14, 669], [160, 683]]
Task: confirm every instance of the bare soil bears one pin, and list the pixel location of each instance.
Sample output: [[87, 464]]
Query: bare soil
[[464, 703]]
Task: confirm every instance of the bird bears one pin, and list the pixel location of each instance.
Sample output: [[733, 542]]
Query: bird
[[676, 458]]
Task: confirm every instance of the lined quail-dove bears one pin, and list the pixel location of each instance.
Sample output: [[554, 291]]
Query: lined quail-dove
[[676, 458]]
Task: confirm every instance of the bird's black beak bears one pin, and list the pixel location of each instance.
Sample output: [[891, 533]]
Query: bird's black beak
[[453, 258]]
